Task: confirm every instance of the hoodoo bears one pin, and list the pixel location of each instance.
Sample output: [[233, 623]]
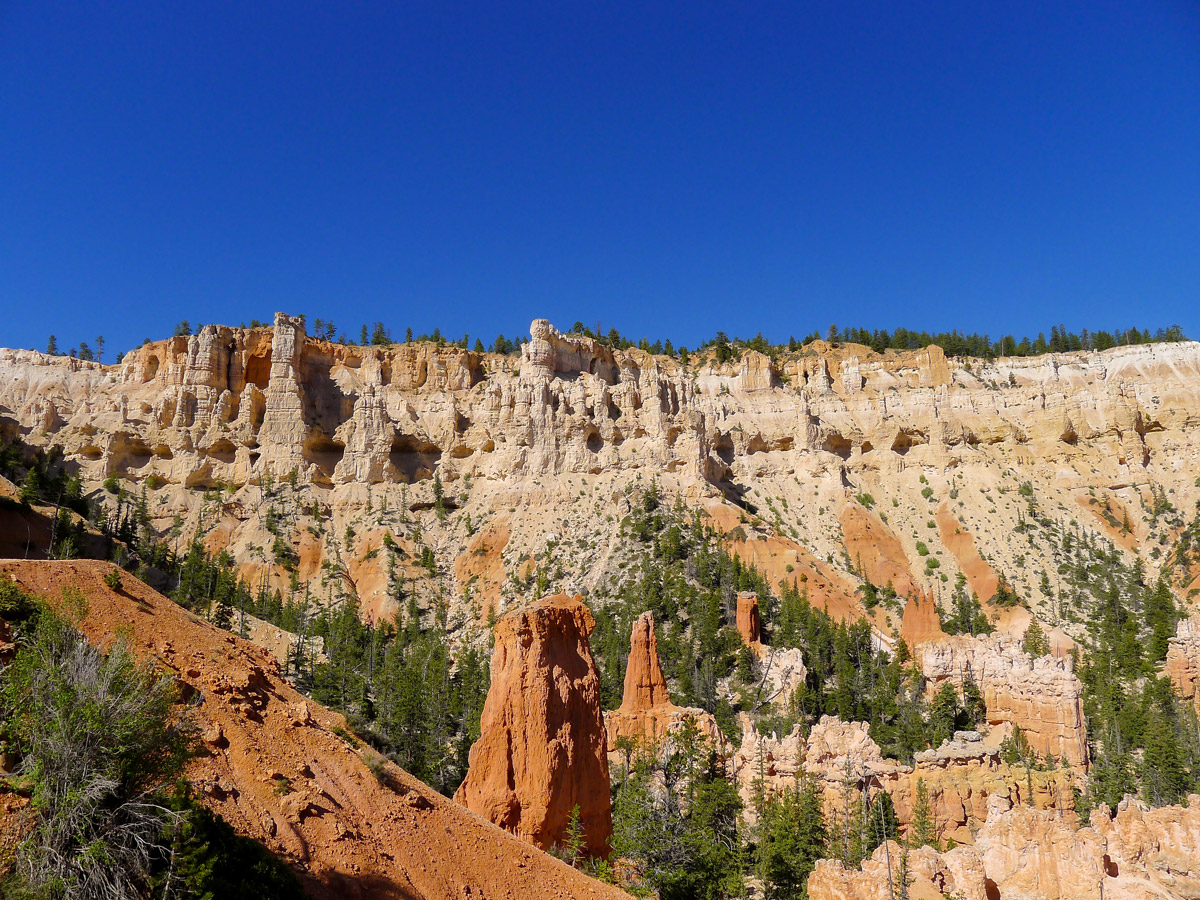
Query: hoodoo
[[541, 749], [749, 621], [646, 714], [645, 687]]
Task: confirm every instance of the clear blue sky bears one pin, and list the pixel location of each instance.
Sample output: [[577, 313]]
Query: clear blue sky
[[669, 169]]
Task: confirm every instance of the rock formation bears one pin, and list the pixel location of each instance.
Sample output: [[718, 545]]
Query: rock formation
[[749, 621], [283, 771], [779, 670], [961, 777], [876, 551], [646, 715], [1042, 696], [327, 453], [1042, 855], [931, 876], [354, 429], [541, 749], [1182, 664], [964, 776], [645, 687], [765, 762]]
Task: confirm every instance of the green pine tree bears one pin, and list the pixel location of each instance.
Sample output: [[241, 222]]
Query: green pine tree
[[922, 831], [1034, 642], [794, 837]]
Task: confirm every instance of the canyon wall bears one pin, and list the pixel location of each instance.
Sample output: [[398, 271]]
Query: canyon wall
[[217, 426]]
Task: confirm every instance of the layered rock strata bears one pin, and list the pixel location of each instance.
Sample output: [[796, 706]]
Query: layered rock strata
[[541, 748], [351, 429], [961, 778]]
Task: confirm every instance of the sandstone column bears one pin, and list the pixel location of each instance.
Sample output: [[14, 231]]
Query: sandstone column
[[749, 621], [541, 749]]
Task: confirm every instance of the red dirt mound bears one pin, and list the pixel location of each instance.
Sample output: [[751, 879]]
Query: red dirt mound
[[277, 772]]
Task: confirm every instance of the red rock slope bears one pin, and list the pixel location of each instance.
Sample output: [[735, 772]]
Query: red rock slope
[[276, 770]]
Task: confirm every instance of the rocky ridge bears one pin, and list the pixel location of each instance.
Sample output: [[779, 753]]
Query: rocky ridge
[[358, 434]]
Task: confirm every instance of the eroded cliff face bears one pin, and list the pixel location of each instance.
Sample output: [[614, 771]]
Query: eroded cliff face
[[1040, 695], [541, 748], [219, 426], [963, 778]]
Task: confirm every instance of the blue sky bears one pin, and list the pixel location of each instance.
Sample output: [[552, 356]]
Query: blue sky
[[669, 169]]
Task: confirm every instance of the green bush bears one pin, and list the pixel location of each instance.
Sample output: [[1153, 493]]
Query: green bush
[[211, 860], [100, 750], [112, 578]]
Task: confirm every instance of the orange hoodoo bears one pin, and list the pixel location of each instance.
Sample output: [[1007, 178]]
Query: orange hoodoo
[[541, 749], [645, 686], [749, 621], [647, 716]]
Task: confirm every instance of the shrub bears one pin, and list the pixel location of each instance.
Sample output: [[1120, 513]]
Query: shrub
[[99, 751], [112, 578], [211, 860]]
